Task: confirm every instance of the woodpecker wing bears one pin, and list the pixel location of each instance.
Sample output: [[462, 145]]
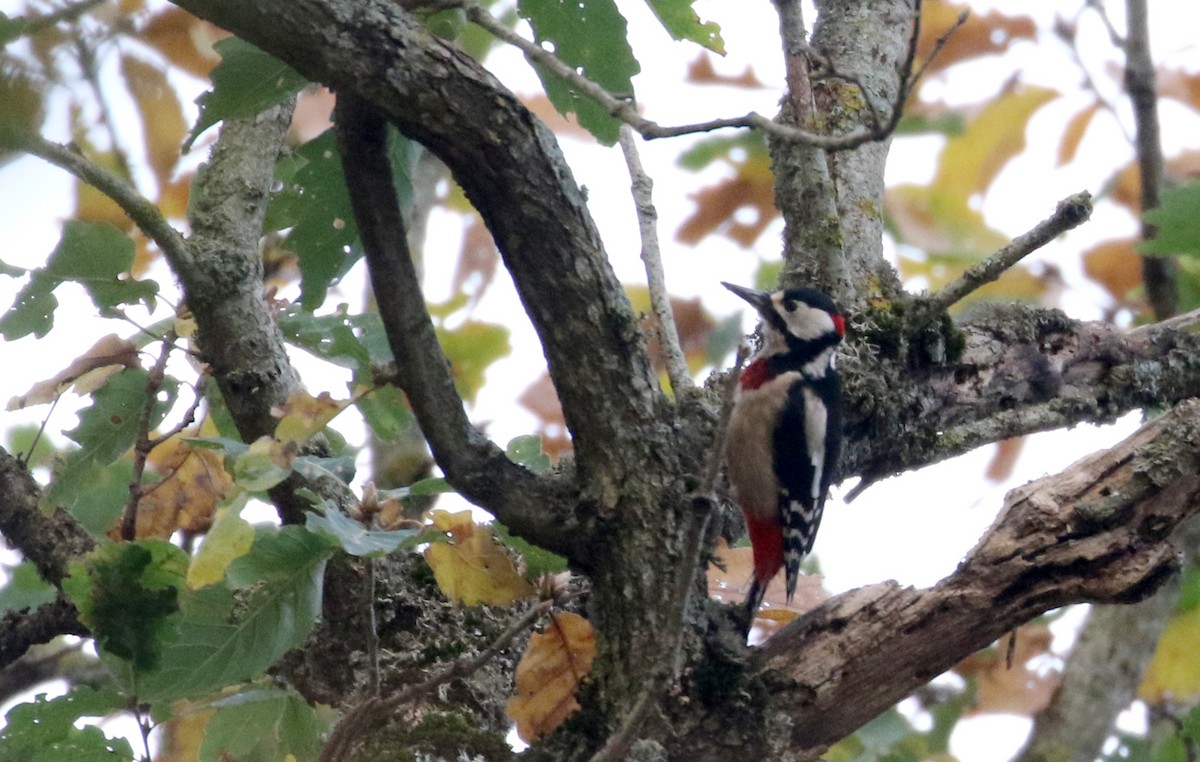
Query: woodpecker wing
[[804, 465]]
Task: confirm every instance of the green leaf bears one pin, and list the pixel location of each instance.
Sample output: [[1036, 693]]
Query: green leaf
[[27, 442], [126, 594], [353, 537], [538, 561], [262, 725], [315, 204], [471, 348], [246, 82], [1191, 725], [1177, 222], [332, 337], [282, 578], [589, 36], [258, 471], [386, 411], [33, 309], [25, 589], [96, 254], [43, 730], [94, 494], [230, 537], [729, 149], [312, 467], [110, 426], [527, 451], [681, 21]]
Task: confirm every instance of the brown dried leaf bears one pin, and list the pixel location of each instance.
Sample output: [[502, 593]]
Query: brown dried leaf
[[194, 483], [88, 372], [718, 205], [548, 675], [981, 35], [314, 109], [1005, 458], [1019, 690], [303, 415], [541, 399], [184, 40], [1114, 265], [701, 72], [541, 106], [477, 258], [1073, 134]]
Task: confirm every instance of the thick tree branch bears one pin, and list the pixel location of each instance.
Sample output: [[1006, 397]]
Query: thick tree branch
[[505, 160], [1020, 370], [1158, 273], [1096, 532], [48, 540], [21, 630], [472, 463]]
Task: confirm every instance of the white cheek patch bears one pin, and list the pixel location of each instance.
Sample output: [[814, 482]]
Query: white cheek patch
[[808, 322]]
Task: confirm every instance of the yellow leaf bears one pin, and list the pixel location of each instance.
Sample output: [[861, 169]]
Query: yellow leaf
[[162, 117], [230, 537], [472, 568], [193, 483], [548, 675], [303, 415], [1174, 672], [971, 160]]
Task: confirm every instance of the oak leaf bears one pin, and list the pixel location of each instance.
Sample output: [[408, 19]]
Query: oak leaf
[[472, 568], [548, 675]]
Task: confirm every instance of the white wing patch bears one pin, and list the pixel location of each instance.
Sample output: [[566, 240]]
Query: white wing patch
[[814, 434]]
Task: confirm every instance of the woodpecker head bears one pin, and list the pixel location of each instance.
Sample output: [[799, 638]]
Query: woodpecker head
[[802, 322]]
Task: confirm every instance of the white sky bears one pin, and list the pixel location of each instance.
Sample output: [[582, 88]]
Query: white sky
[[913, 529]]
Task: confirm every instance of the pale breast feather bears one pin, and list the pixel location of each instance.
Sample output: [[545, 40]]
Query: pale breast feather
[[750, 453]]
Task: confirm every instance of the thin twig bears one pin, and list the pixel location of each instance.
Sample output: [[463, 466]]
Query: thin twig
[[148, 217], [1070, 213], [372, 632], [656, 279], [91, 74], [1158, 272], [347, 733], [1177, 323], [141, 449], [716, 456], [617, 745], [626, 111]]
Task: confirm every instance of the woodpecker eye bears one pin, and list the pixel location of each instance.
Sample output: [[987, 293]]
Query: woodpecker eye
[[789, 305]]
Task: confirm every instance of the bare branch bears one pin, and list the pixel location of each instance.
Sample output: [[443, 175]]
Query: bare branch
[[49, 540], [21, 630], [1158, 272], [1070, 213], [356, 724], [141, 449], [627, 112], [660, 300], [141, 210]]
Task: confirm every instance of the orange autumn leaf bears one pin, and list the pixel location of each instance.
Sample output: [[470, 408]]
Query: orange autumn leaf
[[1073, 134], [473, 568], [1115, 265], [981, 34], [549, 673], [162, 117], [194, 483]]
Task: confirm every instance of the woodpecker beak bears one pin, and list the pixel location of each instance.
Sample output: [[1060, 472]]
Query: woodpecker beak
[[760, 300]]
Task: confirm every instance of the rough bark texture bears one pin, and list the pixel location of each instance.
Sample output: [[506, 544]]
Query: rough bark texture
[[633, 512]]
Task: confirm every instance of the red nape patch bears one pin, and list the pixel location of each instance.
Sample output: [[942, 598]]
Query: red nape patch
[[839, 325], [766, 537], [755, 375]]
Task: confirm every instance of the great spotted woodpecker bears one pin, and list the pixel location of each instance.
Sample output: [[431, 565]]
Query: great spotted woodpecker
[[785, 430]]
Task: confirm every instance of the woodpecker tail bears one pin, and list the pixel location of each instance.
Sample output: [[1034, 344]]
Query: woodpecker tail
[[800, 523]]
